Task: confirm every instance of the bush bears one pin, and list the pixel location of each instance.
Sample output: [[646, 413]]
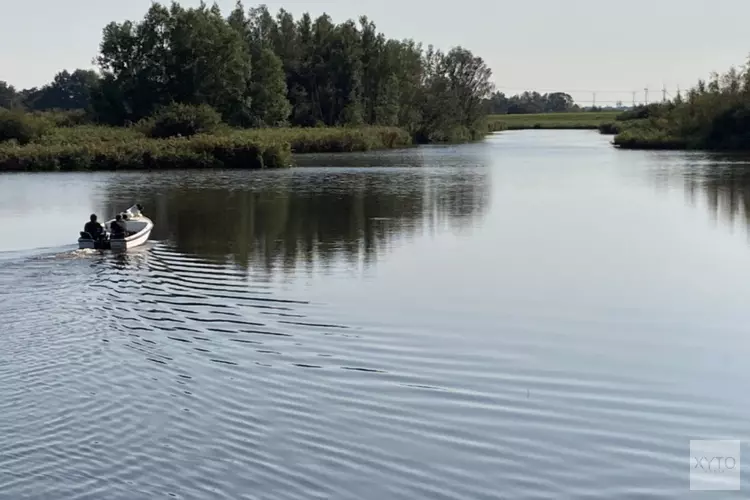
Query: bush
[[729, 129], [655, 110], [647, 136], [333, 139], [21, 127], [66, 118], [610, 128], [110, 148], [182, 120], [202, 151]]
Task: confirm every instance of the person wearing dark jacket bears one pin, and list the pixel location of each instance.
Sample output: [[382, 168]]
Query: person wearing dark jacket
[[117, 228], [94, 228]]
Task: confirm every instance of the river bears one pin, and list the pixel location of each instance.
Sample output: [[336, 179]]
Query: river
[[537, 315]]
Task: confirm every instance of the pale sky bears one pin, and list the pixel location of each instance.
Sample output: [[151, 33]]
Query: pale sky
[[613, 48]]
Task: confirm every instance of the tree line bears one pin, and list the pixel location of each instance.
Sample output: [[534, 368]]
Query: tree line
[[263, 70], [530, 103], [713, 115]]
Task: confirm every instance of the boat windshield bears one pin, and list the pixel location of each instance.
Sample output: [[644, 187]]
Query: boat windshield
[[133, 211]]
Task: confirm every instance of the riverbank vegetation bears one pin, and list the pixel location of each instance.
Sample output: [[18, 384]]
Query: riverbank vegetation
[[714, 115], [303, 85], [571, 120], [171, 139]]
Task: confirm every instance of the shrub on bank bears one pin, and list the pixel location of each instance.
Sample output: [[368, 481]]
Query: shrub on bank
[[340, 140], [332, 139], [118, 148], [148, 154], [21, 127], [182, 120], [90, 134], [649, 138], [65, 118], [610, 128]]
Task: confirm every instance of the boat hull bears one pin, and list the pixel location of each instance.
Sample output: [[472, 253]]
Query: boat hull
[[132, 241], [118, 244]]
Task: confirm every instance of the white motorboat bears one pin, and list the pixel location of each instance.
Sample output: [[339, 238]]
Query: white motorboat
[[137, 231]]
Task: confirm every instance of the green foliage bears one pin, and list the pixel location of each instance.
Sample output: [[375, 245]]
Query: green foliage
[[201, 151], [530, 103], [21, 127], [71, 118], [188, 56], [456, 85], [610, 128], [576, 120], [8, 96], [269, 106], [116, 148], [68, 91], [656, 110], [262, 70], [336, 139], [90, 134], [649, 138], [715, 115], [181, 120]]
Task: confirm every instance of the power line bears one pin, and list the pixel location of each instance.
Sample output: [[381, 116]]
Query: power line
[[582, 91], [593, 97], [577, 91], [599, 101]]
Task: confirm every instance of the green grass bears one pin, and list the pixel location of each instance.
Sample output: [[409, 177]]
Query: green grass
[[579, 120], [109, 148]]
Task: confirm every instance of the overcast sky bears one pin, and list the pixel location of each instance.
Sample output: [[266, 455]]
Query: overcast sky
[[567, 45]]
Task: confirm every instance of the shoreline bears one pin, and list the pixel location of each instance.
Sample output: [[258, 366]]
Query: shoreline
[[92, 148], [100, 148]]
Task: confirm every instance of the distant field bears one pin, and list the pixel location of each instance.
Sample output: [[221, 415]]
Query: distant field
[[582, 120]]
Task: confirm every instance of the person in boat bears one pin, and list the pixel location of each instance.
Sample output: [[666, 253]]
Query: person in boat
[[94, 228], [117, 228]]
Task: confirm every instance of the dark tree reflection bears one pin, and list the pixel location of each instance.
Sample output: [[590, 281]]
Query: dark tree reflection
[[305, 216], [719, 182]]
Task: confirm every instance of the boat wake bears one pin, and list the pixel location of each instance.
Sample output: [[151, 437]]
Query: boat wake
[[36, 253], [62, 253]]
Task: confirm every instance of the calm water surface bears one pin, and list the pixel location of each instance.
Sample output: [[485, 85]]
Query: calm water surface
[[534, 316]]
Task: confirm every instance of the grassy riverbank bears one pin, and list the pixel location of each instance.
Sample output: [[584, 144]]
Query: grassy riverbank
[[119, 148], [578, 120]]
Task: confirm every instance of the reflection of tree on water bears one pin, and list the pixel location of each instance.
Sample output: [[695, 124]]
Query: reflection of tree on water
[[722, 181], [304, 217]]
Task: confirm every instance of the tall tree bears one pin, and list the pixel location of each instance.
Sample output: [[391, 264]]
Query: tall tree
[[190, 56], [67, 91], [269, 105], [266, 88], [8, 95], [260, 69]]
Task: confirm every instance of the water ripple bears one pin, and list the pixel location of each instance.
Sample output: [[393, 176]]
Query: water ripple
[[157, 377]]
